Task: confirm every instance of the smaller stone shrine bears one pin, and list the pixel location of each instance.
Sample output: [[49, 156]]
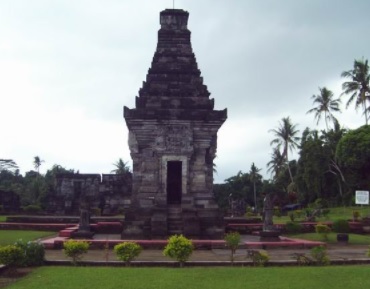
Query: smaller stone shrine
[[173, 141], [109, 194]]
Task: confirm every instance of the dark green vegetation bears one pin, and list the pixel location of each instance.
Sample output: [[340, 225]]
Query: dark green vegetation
[[276, 277], [8, 237]]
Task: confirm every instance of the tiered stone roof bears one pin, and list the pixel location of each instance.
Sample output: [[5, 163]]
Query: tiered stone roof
[[174, 87]]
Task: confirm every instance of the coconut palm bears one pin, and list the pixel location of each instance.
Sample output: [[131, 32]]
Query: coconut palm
[[276, 163], [358, 85], [121, 167], [254, 177], [286, 138], [37, 163], [326, 104]]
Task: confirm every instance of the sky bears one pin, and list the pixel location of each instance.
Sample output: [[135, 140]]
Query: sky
[[68, 67]]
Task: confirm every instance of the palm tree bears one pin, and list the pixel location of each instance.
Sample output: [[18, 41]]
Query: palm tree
[[358, 85], [37, 163], [121, 167], [254, 176], [276, 163], [325, 105], [286, 137]]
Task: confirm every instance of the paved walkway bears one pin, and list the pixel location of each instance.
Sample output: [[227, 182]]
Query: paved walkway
[[336, 252]]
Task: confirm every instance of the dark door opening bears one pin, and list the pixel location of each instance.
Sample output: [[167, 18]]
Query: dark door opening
[[174, 182]]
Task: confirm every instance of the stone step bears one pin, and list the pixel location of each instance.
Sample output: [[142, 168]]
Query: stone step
[[174, 232], [174, 224]]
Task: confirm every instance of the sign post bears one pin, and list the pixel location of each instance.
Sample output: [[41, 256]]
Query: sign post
[[362, 197]]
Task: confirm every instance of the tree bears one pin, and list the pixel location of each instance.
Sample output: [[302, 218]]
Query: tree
[[312, 165], [286, 137], [276, 163], [239, 188], [358, 85], [121, 167], [7, 164], [254, 176], [37, 163], [326, 104], [353, 156]]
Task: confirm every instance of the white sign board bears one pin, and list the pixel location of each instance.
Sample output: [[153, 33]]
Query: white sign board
[[362, 197]]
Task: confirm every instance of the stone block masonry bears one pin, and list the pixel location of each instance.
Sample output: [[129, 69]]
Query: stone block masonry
[[173, 141]]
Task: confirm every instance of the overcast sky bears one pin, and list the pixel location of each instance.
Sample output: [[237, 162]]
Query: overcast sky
[[67, 68]]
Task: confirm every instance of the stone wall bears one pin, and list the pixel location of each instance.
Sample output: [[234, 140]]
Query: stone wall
[[109, 193]]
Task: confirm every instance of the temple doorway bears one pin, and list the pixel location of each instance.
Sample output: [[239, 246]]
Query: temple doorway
[[174, 182]]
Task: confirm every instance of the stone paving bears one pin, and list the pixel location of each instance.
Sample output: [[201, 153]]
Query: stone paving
[[337, 252]]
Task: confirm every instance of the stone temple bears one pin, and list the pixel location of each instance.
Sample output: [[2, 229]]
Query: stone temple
[[173, 141]]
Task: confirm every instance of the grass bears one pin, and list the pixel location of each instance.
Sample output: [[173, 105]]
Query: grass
[[8, 237], [342, 277], [3, 218], [354, 239], [334, 214]]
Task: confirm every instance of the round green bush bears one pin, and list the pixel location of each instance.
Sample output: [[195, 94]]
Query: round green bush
[[179, 248], [127, 251], [75, 249], [33, 253], [11, 256], [32, 209], [341, 226], [293, 228]]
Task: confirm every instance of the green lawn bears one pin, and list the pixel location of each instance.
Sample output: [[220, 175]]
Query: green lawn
[[354, 239], [334, 214], [337, 277], [8, 237], [3, 218]]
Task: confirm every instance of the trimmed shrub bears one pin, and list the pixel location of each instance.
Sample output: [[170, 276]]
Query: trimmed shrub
[[232, 240], [277, 211], [293, 228], [11, 256], [356, 215], [302, 259], [95, 211], [298, 214], [258, 257], [75, 250], [33, 253], [32, 209], [322, 230], [127, 251], [249, 214], [179, 248], [341, 226], [320, 255]]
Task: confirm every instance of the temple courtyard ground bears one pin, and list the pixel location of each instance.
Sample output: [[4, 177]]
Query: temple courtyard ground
[[338, 254]]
